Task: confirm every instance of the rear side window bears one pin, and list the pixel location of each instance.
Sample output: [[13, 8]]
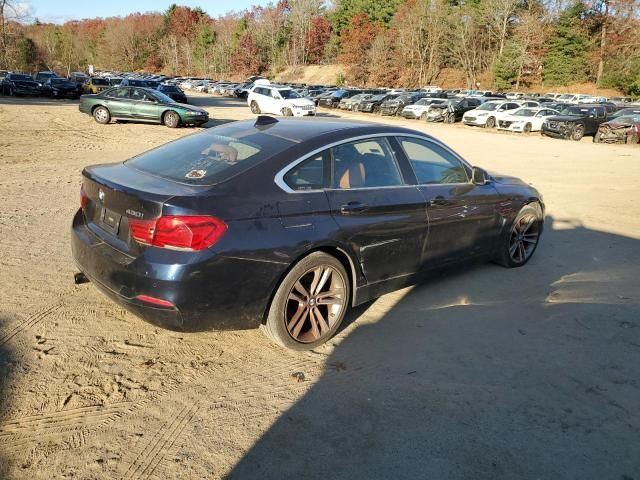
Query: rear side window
[[210, 157], [433, 164], [312, 174]]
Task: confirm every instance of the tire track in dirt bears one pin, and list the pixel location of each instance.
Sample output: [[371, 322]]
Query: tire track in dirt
[[31, 321], [145, 464]]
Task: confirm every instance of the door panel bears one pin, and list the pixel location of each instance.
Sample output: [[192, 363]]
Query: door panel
[[386, 226], [380, 217], [145, 107], [119, 103], [463, 217]]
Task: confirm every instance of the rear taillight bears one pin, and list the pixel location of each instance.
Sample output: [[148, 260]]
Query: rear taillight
[[181, 232], [83, 197]]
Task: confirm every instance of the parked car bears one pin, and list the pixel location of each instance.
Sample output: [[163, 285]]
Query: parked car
[[43, 76], [19, 84], [133, 82], [173, 92], [61, 88], [488, 114], [394, 106], [96, 85], [333, 100], [525, 119], [173, 236], [79, 78], [622, 129], [141, 104], [453, 110], [373, 104], [279, 100], [575, 122], [626, 112], [347, 103], [421, 108], [115, 81]]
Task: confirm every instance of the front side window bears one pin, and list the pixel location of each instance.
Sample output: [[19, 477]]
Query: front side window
[[140, 95], [432, 164], [365, 164]]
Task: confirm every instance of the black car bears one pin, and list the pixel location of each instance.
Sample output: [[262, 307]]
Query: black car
[[575, 122], [394, 106], [173, 92], [453, 110], [288, 223], [19, 84], [332, 101], [61, 88], [42, 77], [372, 105]]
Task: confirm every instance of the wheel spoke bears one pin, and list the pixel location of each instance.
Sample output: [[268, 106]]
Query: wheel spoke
[[314, 324], [296, 317], [513, 248], [301, 290], [295, 298], [302, 320], [530, 238], [323, 280], [324, 327], [317, 274]]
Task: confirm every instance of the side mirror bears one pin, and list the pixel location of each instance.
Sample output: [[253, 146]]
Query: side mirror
[[479, 176]]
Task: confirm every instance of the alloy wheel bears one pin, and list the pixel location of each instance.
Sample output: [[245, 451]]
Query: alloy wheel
[[524, 238], [315, 303]]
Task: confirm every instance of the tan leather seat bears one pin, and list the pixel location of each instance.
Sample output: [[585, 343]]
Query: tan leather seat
[[353, 176]]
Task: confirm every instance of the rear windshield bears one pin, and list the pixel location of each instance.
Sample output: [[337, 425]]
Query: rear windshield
[[212, 156]]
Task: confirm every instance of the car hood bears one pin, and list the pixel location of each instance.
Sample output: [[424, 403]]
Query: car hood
[[298, 102], [186, 106], [616, 124], [565, 118], [507, 180], [25, 83]]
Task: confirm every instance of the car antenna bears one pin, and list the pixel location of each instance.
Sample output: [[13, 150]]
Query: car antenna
[[264, 120]]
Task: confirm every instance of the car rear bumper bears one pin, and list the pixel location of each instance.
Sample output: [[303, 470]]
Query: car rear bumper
[[208, 291]]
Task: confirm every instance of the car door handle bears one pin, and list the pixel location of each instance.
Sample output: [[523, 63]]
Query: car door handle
[[353, 207], [438, 201]]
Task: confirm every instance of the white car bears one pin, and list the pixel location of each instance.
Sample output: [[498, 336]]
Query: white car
[[488, 114], [421, 108], [525, 119], [279, 100]]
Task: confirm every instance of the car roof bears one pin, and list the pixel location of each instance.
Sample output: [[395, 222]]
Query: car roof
[[304, 129]]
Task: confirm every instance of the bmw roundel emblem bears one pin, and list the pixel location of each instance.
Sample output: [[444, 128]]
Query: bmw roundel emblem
[[101, 195]]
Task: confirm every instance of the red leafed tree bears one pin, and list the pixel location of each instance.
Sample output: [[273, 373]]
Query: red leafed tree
[[355, 43], [317, 38], [246, 58], [183, 22]]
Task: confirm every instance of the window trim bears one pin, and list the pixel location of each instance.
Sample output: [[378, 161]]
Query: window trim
[[279, 177]]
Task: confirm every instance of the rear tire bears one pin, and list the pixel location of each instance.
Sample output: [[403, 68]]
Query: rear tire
[[102, 115], [171, 119], [294, 318], [519, 243]]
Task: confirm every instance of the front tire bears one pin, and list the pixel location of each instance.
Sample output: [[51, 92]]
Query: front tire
[[255, 108], [286, 112], [577, 133], [596, 137], [491, 122], [631, 139], [423, 117], [309, 304], [527, 128], [520, 242], [171, 119], [102, 115]]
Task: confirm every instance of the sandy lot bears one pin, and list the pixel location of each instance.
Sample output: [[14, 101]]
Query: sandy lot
[[481, 373]]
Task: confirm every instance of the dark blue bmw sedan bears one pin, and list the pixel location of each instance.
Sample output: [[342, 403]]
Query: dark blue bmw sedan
[[287, 223]]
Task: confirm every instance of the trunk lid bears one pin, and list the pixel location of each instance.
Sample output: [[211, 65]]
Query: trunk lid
[[117, 194]]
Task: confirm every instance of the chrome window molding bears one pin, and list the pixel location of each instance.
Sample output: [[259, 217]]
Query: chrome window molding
[[279, 178]]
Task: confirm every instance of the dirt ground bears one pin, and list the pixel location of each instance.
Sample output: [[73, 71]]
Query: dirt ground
[[481, 373]]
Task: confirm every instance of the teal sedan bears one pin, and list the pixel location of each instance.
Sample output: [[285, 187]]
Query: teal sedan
[[142, 105]]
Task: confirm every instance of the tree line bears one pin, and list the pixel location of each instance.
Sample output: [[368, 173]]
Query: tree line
[[504, 44]]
